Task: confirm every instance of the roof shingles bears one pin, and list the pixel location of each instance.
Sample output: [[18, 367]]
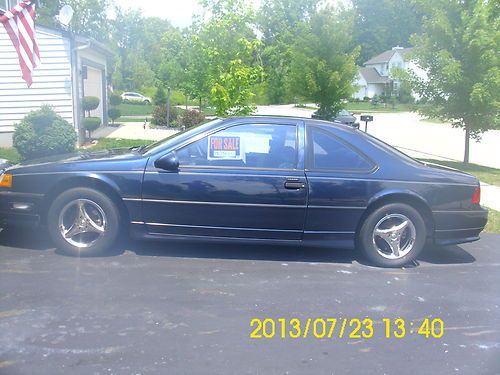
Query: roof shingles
[[387, 55], [371, 75]]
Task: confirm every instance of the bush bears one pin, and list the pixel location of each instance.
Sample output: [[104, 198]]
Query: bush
[[160, 97], [114, 113], [115, 100], [191, 118], [89, 103], [91, 124], [159, 116], [43, 133]]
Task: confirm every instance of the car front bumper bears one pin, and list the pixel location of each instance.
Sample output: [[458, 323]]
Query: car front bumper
[[19, 209]]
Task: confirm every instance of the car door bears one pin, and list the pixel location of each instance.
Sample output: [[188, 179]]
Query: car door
[[336, 172], [245, 180]]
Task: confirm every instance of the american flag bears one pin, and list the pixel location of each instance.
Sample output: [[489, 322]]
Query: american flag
[[20, 25]]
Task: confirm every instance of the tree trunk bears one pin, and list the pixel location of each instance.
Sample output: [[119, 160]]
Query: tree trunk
[[200, 105], [467, 139]]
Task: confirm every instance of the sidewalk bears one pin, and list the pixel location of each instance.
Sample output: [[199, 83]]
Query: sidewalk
[[133, 130], [490, 196]]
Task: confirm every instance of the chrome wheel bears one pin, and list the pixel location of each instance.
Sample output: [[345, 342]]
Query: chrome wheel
[[82, 222], [394, 236]]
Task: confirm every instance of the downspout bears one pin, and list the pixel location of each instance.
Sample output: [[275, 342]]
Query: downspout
[[77, 115]]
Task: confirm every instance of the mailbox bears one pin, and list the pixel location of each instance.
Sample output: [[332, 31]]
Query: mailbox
[[366, 119]]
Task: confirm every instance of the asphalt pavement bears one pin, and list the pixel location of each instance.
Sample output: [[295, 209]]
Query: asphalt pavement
[[185, 308]]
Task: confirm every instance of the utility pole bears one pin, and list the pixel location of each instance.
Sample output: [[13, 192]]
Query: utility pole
[[168, 107]]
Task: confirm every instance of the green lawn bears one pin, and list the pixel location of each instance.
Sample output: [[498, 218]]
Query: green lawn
[[493, 225], [107, 143], [128, 109], [485, 174], [357, 107], [9, 154], [367, 107], [132, 119]]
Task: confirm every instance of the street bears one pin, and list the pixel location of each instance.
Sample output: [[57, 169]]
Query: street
[[185, 308]]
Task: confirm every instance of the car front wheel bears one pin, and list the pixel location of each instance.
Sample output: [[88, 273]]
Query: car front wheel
[[393, 235], [83, 222]]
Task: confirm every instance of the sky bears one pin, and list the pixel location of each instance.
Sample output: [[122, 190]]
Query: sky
[[178, 12]]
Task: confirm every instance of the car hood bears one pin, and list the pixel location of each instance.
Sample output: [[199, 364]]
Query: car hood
[[115, 153], [112, 159]]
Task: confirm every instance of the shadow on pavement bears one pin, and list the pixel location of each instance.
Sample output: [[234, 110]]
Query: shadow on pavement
[[185, 249], [21, 238], [446, 255], [38, 240]]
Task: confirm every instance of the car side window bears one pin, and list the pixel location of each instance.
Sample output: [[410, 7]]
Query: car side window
[[328, 152], [244, 146]]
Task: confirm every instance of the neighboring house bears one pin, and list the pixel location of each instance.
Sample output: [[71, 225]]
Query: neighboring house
[[375, 77], [72, 67]]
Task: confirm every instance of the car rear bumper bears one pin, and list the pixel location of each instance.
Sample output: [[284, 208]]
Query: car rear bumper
[[454, 227]]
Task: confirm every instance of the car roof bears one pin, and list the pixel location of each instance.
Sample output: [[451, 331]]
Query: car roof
[[307, 120]]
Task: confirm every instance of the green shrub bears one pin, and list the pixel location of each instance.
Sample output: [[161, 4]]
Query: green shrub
[[113, 114], [89, 103], [160, 97], [91, 124], [115, 100], [190, 118], [159, 116], [43, 133]]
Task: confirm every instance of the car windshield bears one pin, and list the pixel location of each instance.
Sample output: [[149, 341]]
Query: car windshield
[[343, 112], [153, 147]]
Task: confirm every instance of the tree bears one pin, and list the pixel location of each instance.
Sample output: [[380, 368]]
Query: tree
[[160, 97], [45, 14], [382, 24], [459, 48], [323, 62], [278, 21], [226, 51]]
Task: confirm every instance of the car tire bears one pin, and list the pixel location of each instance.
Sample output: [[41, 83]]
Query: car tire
[[393, 235], [147, 102], [83, 222]]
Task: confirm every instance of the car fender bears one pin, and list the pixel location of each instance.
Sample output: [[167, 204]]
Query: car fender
[[394, 192], [92, 179]]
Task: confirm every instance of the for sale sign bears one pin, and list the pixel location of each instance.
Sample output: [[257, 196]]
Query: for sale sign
[[224, 147]]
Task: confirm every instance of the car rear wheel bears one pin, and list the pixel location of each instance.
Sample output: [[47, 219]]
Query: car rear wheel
[[83, 222], [393, 235]]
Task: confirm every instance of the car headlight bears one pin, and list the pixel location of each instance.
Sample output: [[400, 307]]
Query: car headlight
[[6, 180]]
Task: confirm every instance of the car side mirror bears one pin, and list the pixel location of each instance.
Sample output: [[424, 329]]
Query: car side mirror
[[168, 162]]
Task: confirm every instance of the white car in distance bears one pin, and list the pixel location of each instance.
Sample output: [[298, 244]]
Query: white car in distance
[[135, 97]]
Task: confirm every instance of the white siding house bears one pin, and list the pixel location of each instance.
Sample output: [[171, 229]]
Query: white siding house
[[375, 77], [72, 66]]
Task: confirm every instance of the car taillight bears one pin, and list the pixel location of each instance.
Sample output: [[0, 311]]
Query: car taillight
[[476, 196]]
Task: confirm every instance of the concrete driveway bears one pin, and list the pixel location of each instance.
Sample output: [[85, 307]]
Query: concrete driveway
[[179, 308]]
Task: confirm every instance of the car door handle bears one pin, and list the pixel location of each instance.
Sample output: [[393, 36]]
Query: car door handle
[[294, 183]]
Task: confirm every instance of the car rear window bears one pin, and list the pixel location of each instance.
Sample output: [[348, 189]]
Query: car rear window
[[330, 153]]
